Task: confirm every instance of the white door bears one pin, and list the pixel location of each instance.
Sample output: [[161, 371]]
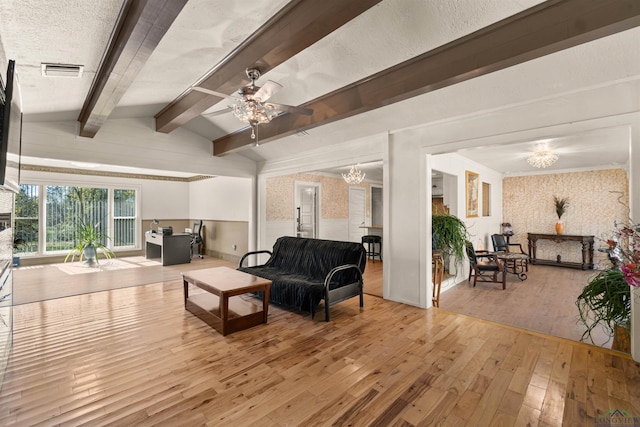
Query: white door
[[306, 211], [356, 213]]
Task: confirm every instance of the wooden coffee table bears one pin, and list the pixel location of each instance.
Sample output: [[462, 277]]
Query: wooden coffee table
[[216, 307]]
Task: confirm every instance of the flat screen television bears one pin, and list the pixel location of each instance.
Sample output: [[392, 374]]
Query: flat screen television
[[11, 130]]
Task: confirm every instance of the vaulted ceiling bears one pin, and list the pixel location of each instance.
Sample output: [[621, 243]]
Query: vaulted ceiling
[[363, 66]]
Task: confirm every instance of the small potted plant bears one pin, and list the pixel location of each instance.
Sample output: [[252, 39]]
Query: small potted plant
[[561, 205], [90, 242]]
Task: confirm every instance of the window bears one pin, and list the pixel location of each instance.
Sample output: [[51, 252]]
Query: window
[[27, 219], [62, 208], [68, 207], [486, 199], [124, 218]]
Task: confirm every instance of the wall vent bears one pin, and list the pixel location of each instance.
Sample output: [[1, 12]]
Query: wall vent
[[62, 70]]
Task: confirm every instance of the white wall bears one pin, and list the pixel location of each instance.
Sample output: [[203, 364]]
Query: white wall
[[134, 143], [404, 229], [160, 199], [221, 198], [634, 198]]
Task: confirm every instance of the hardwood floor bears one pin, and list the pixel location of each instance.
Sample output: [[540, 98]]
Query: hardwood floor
[[372, 278], [135, 357], [545, 302], [44, 282]]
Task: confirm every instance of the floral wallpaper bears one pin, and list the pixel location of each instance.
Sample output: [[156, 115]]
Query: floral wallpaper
[[334, 196], [593, 207]]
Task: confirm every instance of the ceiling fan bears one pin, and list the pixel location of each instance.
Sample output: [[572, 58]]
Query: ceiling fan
[[251, 107]]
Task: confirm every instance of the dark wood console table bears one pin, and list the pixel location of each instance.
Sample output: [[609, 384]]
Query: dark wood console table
[[587, 250]]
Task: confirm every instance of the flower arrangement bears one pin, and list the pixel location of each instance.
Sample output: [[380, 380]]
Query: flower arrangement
[[624, 251]]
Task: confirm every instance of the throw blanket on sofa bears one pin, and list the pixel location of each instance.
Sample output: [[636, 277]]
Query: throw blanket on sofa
[[299, 267]]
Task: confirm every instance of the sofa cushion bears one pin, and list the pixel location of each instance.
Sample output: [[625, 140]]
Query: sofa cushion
[[289, 289]]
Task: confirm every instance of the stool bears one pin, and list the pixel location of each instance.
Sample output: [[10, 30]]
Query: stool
[[371, 241]]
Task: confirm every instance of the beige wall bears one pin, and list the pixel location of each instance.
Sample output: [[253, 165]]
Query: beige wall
[[528, 206], [228, 240], [334, 193]]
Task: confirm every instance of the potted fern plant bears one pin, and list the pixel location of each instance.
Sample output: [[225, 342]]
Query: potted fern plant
[[90, 241], [606, 302], [449, 236]]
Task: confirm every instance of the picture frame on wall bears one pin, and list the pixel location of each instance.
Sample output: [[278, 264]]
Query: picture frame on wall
[[472, 190]]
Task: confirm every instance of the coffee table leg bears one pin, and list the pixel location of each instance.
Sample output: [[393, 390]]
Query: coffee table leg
[[265, 302], [186, 292]]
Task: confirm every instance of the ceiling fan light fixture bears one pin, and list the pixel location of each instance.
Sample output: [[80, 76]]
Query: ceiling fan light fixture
[[355, 175], [253, 112]]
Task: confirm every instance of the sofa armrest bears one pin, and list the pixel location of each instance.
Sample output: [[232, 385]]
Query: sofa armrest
[[327, 280], [346, 291], [252, 253]]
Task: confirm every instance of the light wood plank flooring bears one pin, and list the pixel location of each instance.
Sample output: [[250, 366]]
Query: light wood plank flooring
[[372, 278], [135, 357], [49, 281], [545, 302]]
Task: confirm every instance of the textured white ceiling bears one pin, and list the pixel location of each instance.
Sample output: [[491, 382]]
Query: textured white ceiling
[[567, 84]]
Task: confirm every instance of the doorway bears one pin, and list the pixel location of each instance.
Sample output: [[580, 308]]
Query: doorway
[[306, 213], [357, 199]]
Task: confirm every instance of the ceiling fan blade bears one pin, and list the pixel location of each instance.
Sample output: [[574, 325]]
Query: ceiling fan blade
[[212, 92], [291, 109], [267, 90], [219, 112]]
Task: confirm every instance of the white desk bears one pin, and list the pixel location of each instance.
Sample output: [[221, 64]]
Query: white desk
[[171, 249]]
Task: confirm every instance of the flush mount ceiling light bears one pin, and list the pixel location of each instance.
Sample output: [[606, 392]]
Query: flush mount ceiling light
[[542, 157], [355, 175]]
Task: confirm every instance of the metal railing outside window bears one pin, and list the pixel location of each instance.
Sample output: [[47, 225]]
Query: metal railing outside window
[[124, 218], [58, 213], [27, 219], [67, 208]]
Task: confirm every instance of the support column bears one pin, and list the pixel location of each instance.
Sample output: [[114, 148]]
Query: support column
[[634, 202]]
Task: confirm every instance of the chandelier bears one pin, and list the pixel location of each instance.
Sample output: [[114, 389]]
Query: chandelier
[[253, 112], [355, 175], [542, 157]]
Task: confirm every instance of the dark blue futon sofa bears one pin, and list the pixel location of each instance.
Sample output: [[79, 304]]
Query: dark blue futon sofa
[[305, 271]]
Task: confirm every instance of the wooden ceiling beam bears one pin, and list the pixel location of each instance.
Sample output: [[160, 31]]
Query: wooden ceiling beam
[[295, 27], [140, 27], [544, 29]]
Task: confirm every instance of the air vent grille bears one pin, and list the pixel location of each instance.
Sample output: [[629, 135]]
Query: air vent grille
[[62, 70]]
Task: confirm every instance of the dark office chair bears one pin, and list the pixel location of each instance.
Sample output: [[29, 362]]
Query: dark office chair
[[196, 239], [485, 267]]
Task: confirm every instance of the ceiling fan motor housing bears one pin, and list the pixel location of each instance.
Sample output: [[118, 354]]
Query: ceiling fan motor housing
[[253, 74]]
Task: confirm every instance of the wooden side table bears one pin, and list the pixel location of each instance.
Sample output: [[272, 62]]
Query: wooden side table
[[217, 308]]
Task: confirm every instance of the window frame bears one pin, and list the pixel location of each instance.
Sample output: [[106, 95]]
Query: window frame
[[111, 187]]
